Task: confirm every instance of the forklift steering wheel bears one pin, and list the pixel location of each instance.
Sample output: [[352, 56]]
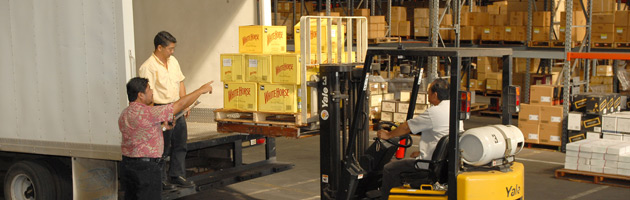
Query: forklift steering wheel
[[388, 126]]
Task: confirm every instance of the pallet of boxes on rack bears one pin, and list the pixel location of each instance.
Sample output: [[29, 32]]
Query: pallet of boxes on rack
[[541, 120], [400, 26], [261, 82], [394, 106], [604, 24], [284, 15]]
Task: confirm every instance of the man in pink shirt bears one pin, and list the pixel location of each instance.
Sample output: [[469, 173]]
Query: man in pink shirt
[[142, 141]]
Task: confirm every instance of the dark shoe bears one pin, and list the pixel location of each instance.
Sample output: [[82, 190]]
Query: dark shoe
[[181, 181], [167, 186]]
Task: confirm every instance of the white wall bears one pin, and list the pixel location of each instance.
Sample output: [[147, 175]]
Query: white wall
[[203, 28]]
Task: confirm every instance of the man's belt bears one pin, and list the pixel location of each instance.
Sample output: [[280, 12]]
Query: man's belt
[[142, 159]]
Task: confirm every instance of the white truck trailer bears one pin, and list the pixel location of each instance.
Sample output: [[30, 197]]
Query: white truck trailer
[[63, 69]]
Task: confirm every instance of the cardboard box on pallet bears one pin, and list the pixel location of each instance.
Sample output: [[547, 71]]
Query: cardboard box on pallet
[[578, 18], [621, 34], [362, 12], [388, 105], [621, 18], [541, 94], [400, 117], [592, 123], [603, 37], [402, 107], [232, 67], [597, 104], [529, 114], [399, 13], [262, 39], [517, 18], [278, 98], [240, 96], [550, 134], [515, 33], [604, 6], [421, 13], [498, 20], [541, 18], [258, 68], [540, 33], [530, 131], [604, 70], [551, 114], [603, 18], [603, 28], [285, 68], [467, 33], [387, 116]]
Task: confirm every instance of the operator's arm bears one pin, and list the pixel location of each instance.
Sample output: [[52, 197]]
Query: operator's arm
[[403, 129], [189, 99]]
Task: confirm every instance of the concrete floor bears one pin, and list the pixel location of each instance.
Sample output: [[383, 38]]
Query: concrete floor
[[302, 182]]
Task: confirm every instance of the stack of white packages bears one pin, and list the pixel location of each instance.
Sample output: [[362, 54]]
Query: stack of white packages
[[600, 156]]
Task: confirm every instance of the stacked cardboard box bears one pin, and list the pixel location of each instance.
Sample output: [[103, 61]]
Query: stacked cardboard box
[[599, 156], [602, 81], [400, 26], [621, 26], [396, 110], [284, 14], [378, 93], [376, 27], [421, 22], [591, 113], [603, 27], [540, 26], [541, 120]]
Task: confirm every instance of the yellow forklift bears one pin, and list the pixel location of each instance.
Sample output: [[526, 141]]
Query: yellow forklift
[[475, 164]]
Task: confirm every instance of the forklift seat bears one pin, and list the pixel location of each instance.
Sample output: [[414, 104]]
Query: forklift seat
[[437, 172]]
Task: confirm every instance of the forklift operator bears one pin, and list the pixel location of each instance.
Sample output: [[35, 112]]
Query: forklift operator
[[433, 124]]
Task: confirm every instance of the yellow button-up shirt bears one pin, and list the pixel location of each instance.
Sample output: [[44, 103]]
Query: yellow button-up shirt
[[163, 81]]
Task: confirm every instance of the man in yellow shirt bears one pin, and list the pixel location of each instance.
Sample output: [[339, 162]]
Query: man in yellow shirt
[[167, 82]]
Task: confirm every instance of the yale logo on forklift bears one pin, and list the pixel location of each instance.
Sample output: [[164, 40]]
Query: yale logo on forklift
[[324, 114], [513, 190]]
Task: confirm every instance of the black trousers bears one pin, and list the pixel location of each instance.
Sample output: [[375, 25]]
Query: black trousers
[[141, 180], [391, 174], [175, 147]]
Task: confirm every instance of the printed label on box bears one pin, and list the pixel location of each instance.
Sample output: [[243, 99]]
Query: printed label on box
[[554, 138], [619, 30], [556, 119], [253, 63], [508, 29], [533, 117], [227, 62], [545, 99], [486, 30], [533, 136], [536, 30], [603, 36]]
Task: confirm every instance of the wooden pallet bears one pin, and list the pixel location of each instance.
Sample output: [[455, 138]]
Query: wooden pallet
[[490, 42], [593, 177], [513, 43], [495, 114], [559, 44], [271, 118], [382, 40], [542, 146], [478, 107], [492, 93], [539, 44], [622, 45], [602, 45]]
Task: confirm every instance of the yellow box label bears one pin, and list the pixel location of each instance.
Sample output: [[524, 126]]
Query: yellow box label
[[232, 67], [240, 96], [258, 68], [286, 68], [262, 39], [278, 98]]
